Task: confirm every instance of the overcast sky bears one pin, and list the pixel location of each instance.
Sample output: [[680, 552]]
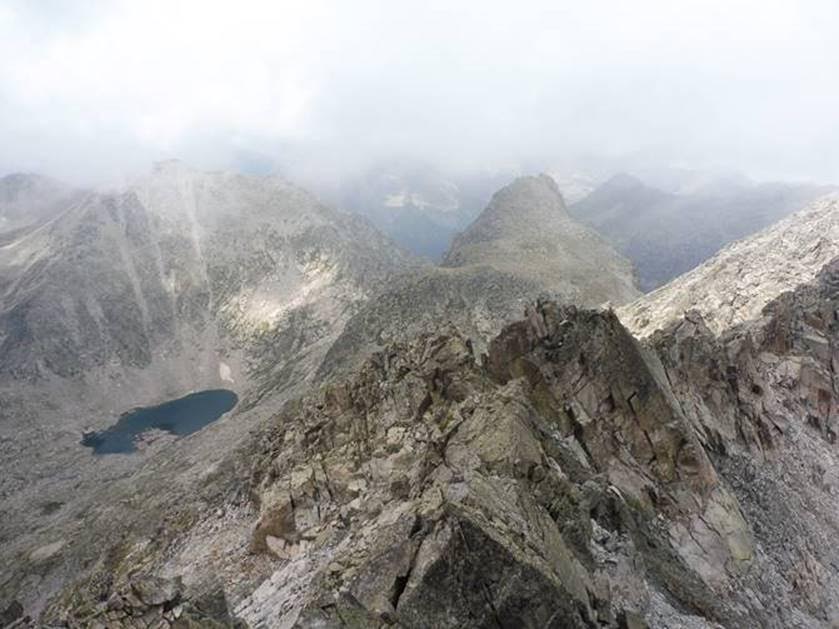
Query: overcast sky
[[90, 91]]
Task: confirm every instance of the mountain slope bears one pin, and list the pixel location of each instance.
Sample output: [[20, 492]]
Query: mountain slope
[[740, 280], [575, 479], [181, 256], [182, 281], [665, 234], [523, 246], [28, 200], [527, 232]]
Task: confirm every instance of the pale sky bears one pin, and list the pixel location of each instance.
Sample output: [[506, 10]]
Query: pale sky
[[92, 91]]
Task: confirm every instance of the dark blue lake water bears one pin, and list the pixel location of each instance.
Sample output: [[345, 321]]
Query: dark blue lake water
[[183, 416]]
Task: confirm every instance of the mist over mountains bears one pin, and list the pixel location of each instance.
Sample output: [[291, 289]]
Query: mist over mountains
[[428, 399], [668, 233], [370, 315]]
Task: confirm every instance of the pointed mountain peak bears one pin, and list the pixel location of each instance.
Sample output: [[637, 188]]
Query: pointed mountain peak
[[526, 231], [524, 207], [529, 193]]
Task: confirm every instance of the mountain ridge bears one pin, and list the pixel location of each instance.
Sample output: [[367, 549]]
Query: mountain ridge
[[394, 495], [492, 270], [735, 284], [667, 233], [415, 445]]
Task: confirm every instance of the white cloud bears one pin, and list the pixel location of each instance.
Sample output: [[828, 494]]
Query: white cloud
[[88, 91]]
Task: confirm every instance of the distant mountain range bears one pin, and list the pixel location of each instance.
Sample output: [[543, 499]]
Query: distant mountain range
[[668, 233], [665, 221]]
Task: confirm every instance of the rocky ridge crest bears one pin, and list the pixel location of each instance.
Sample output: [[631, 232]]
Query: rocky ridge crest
[[571, 477], [736, 284]]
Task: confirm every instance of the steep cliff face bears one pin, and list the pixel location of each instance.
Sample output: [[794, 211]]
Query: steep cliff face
[[740, 280], [761, 398], [570, 478]]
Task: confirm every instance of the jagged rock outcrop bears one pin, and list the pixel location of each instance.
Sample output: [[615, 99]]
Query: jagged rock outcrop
[[571, 478], [762, 397], [431, 490], [526, 231], [665, 233], [740, 280], [527, 491]]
